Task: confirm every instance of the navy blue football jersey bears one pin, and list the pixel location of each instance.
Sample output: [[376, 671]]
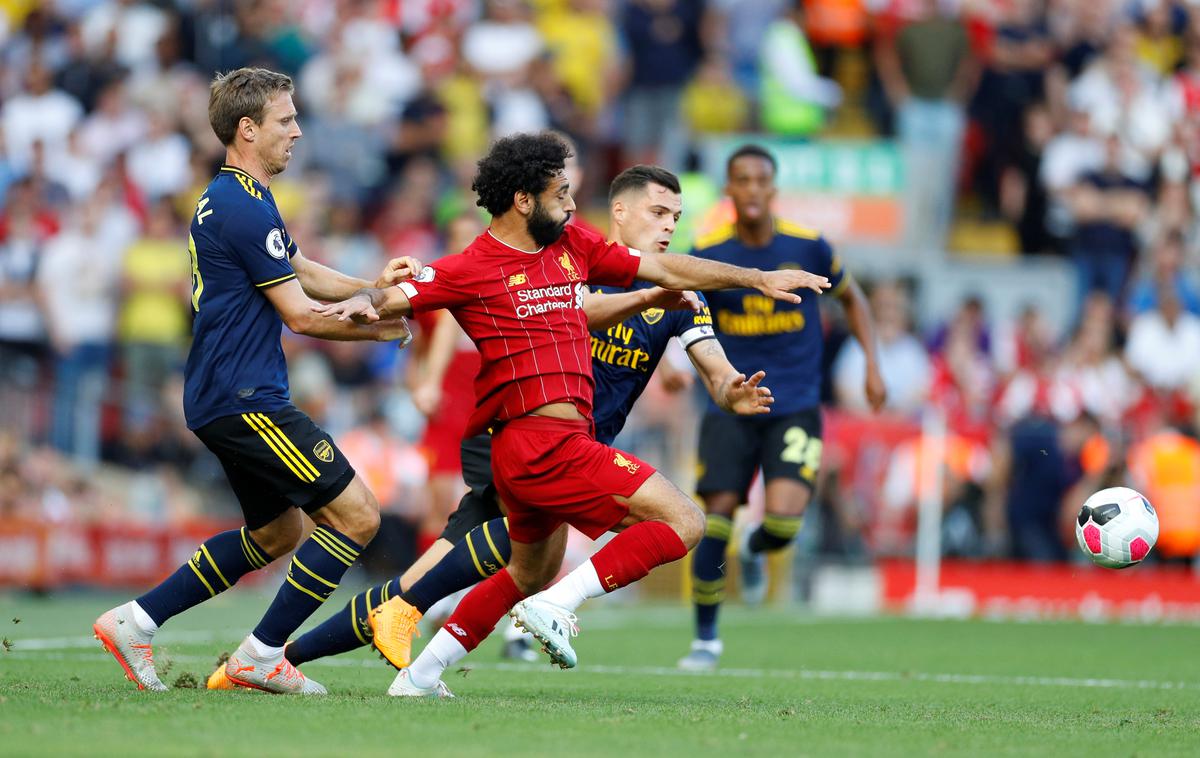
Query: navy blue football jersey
[[239, 248], [760, 333], [624, 356]]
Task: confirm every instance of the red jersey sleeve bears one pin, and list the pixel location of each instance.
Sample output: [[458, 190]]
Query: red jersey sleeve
[[439, 285], [607, 262]]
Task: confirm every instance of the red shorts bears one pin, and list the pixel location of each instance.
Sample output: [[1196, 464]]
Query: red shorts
[[443, 436], [551, 471]]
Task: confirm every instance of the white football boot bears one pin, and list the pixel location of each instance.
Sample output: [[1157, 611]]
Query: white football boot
[[704, 656], [551, 625], [120, 635], [274, 674], [402, 686]]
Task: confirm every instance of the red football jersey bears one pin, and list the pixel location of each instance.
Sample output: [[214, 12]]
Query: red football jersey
[[524, 312]]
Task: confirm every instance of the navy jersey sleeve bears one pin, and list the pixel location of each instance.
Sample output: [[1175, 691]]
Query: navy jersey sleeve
[[692, 327], [256, 239]]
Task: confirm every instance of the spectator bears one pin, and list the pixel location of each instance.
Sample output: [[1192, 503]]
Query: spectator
[[1091, 377], [1164, 344], [159, 164], [794, 96], [1165, 270], [1107, 205], [114, 126], [1165, 467], [78, 283], [712, 103], [1037, 467], [153, 322], [39, 114], [500, 49], [902, 359], [929, 74], [1024, 200], [666, 44]]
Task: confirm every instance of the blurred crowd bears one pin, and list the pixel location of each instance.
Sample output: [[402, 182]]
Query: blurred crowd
[[1078, 123]]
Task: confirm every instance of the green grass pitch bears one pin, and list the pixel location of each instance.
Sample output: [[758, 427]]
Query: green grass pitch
[[792, 685]]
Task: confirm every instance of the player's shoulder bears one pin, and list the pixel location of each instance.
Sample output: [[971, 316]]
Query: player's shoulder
[[237, 203], [715, 238], [794, 231]]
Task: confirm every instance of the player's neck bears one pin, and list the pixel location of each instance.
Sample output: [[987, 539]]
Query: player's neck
[[757, 233], [248, 164], [514, 233]]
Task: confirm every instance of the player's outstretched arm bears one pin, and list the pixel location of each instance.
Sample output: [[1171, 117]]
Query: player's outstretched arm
[[729, 389], [366, 306], [303, 316], [323, 283], [679, 272], [862, 326], [605, 311]]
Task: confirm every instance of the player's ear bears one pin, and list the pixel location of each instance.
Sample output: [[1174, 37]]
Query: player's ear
[[524, 202], [618, 211], [247, 128]]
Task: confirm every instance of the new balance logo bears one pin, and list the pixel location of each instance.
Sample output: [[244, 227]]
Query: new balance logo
[[458, 630], [626, 464], [517, 280]]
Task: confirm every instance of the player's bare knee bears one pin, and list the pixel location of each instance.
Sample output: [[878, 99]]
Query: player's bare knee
[[689, 524]]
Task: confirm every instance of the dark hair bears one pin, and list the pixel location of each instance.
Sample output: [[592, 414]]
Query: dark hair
[[755, 151], [520, 163], [638, 177], [242, 93]]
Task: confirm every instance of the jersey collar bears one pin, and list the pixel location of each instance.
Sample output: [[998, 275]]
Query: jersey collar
[[238, 172]]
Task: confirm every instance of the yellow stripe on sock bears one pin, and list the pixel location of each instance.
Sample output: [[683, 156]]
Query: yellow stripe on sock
[[385, 594], [311, 573], [475, 557], [354, 620], [308, 466], [305, 590], [256, 558], [369, 606], [718, 526], [253, 424], [213, 563], [253, 549], [200, 576], [337, 544], [784, 527], [332, 546], [487, 535]]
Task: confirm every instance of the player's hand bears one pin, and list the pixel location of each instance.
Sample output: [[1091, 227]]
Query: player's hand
[[673, 300], [779, 284], [747, 397], [398, 270], [357, 308], [876, 390], [427, 396], [395, 330]]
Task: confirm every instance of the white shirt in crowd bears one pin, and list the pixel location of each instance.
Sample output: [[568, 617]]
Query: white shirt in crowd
[[906, 374], [1167, 356]]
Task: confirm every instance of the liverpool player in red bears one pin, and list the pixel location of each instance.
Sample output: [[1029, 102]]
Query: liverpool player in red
[[517, 291]]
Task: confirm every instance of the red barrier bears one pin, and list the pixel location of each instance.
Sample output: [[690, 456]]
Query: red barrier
[[1004, 588], [44, 556]]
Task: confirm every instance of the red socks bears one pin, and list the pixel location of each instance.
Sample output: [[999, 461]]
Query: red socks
[[476, 616], [634, 552]]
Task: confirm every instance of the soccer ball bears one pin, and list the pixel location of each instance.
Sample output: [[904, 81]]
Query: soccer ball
[[1116, 528]]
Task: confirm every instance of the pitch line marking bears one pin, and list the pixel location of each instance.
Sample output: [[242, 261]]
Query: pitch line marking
[[42, 648]]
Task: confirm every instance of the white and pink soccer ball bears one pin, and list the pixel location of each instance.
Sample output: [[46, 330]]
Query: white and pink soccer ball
[[1116, 528]]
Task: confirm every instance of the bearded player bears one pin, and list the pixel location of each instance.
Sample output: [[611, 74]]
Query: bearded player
[[630, 331], [518, 293]]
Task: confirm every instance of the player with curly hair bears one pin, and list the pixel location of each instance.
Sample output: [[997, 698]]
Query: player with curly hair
[[517, 291]]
